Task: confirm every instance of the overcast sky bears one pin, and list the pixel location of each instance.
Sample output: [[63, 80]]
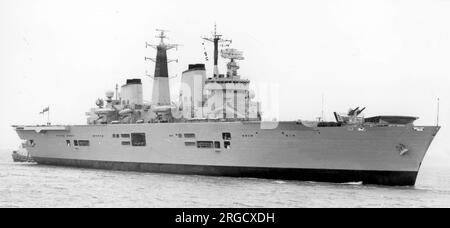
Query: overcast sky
[[391, 56]]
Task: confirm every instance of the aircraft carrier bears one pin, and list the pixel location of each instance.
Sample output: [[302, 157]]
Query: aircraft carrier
[[216, 128]]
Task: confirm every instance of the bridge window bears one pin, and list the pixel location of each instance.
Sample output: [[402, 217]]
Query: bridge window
[[68, 142], [226, 136], [138, 139], [75, 142], [204, 144], [217, 145], [125, 135], [126, 143]]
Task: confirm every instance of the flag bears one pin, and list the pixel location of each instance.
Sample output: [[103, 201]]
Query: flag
[[45, 110]]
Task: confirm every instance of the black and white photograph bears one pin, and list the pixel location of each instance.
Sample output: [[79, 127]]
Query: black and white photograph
[[235, 104]]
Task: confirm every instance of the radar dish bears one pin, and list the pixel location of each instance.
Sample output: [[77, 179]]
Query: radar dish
[[231, 53], [109, 94]]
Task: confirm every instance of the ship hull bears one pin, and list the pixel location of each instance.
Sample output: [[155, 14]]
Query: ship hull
[[397, 178], [388, 155]]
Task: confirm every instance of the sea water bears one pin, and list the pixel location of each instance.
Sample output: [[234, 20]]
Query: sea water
[[32, 185]]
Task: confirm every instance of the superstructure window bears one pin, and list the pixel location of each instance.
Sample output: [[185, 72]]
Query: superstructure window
[[125, 135], [204, 144], [126, 143], [217, 145], [138, 139], [190, 143], [68, 143], [227, 145], [75, 142], [226, 136], [189, 135], [83, 142]]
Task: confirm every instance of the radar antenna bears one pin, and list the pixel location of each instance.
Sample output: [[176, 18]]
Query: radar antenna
[[232, 54], [162, 35]]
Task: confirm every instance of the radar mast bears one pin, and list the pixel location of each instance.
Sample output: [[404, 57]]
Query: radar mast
[[216, 39], [161, 91]]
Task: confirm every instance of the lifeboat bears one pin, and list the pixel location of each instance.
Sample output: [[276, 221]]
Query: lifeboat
[[125, 112], [104, 111]]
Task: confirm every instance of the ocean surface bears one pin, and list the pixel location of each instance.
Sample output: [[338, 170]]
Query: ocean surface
[[32, 185]]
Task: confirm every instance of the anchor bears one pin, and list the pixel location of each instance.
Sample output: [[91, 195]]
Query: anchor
[[402, 149]]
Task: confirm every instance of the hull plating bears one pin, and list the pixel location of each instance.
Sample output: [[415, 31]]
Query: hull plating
[[288, 151], [398, 178]]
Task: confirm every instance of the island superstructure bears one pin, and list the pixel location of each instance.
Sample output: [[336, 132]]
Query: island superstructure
[[216, 128]]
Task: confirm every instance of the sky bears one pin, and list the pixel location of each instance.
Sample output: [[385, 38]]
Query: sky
[[389, 56]]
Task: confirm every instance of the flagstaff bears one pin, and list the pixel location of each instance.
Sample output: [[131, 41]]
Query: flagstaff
[[46, 110]]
